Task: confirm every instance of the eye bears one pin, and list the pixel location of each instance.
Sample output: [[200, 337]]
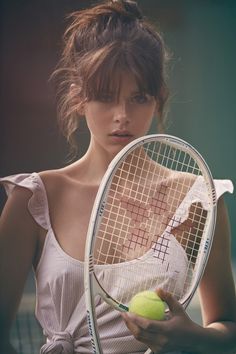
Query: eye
[[140, 98]]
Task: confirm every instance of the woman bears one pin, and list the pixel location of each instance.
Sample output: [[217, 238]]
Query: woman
[[112, 74]]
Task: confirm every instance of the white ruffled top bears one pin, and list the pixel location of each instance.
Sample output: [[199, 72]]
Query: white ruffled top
[[60, 303]]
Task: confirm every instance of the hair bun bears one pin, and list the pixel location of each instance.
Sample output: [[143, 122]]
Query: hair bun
[[130, 7]]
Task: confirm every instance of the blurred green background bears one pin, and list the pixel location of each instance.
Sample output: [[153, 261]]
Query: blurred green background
[[203, 84]]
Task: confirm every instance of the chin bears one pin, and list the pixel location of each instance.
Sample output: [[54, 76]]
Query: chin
[[114, 150]]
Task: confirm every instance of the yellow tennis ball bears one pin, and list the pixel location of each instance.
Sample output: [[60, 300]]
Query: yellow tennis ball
[[148, 304]]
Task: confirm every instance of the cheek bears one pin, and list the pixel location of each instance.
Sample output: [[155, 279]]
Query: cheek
[[97, 119], [96, 112]]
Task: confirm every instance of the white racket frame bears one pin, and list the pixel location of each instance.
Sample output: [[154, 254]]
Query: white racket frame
[[91, 284]]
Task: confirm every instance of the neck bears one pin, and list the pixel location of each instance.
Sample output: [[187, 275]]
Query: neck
[[94, 164]]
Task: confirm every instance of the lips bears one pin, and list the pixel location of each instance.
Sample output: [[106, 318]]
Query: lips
[[121, 133]]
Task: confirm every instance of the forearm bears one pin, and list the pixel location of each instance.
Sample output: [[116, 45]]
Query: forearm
[[217, 338]]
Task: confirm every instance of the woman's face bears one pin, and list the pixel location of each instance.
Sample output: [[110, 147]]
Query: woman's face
[[114, 122]]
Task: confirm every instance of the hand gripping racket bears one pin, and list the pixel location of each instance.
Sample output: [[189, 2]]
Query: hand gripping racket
[[151, 226]]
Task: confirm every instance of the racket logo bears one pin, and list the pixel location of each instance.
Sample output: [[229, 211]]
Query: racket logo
[[214, 197], [91, 265], [206, 246], [90, 327], [102, 207]]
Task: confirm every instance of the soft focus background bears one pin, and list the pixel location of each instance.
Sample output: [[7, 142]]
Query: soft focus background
[[200, 35]]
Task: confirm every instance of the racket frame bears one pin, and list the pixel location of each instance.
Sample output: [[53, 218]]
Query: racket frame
[[91, 283]]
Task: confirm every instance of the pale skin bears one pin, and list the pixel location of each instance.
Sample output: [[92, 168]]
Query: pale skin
[[71, 192]]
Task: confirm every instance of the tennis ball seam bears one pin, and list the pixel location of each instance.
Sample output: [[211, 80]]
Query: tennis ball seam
[[148, 304]]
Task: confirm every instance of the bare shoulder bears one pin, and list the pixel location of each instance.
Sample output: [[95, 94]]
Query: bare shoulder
[[60, 183], [58, 179], [52, 178]]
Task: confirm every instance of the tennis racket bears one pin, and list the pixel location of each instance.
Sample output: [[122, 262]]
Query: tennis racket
[[151, 226]]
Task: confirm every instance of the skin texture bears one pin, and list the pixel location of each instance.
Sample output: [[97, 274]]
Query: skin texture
[[71, 192]]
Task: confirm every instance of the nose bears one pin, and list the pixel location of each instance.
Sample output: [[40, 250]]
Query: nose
[[121, 113]]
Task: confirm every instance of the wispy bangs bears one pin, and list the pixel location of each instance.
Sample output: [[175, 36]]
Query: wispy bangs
[[104, 71]]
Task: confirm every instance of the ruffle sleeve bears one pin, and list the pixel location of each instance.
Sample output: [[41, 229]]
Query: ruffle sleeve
[[222, 186], [197, 194], [38, 204]]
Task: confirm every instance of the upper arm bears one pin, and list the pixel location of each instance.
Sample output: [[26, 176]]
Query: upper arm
[[18, 240], [217, 289]]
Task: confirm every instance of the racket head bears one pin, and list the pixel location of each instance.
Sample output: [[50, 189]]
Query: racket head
[[142, 219]]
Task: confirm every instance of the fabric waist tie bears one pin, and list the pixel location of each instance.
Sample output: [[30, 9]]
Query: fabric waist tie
[[60, 343]]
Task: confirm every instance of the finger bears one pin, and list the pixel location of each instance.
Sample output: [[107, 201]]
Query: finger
[[142, 323], [174, 306], [146, 331], [130, 323]]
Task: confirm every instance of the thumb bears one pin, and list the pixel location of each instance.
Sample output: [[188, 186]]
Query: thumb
[[174, 306]]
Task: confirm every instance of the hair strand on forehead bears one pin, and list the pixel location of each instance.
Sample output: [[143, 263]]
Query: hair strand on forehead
[[101, 43]]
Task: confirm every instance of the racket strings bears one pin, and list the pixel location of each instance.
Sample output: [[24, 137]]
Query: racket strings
[[140, 217]]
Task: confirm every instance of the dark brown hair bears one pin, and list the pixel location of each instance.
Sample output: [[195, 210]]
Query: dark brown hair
[[100, 43]]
